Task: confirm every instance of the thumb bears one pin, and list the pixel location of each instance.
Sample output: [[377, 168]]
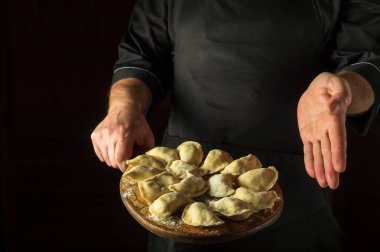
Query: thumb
[[340, 97]]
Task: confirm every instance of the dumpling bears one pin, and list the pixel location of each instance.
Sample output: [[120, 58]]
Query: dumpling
[[220, 185], [191, 186], [190, 152], [141, 172], [242, 165], [148, 161], [199, 214], [216, 160], [179, 168], [164, 153], [167, 204], [260, 179], [156, 186], [233, 208], [259, 200]]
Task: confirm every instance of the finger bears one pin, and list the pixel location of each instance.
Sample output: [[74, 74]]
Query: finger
[[308, 158], [104, 151], [330, 174], [334, 178], [123, 151], [149, 140], [337, 134], [318, 164], [111, 155], [98, 152]]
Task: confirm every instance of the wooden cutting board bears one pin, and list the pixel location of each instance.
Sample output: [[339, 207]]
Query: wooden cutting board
[[174, 228]]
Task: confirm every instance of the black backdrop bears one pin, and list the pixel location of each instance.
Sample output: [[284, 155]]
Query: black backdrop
[[56, 66]]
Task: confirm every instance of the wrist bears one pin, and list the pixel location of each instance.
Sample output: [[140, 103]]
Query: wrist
[[129, 94], [362, 95]]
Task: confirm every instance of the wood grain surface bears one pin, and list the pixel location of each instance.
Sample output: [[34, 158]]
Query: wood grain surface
[[174, 228]]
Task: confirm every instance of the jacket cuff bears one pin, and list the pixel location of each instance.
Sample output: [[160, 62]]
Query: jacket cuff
[[146, 76], [371, 73]]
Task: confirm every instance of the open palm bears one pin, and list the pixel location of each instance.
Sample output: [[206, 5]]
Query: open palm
[[321, 120]]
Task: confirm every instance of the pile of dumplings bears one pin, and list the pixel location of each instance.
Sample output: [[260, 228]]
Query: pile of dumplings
[[210, 190]]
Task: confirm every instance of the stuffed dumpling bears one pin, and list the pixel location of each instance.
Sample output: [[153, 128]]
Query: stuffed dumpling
[[156, 186], [242, 165], [220, 185], [167, 204], [191, 186], [164, 153], [199, 214], [190, 152], [216, 160], [260, 179], [148, 161], [259, 200], [141, 172], [180, 168], [233, 208]]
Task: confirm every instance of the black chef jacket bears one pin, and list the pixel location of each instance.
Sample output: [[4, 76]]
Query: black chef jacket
[[236, 70]]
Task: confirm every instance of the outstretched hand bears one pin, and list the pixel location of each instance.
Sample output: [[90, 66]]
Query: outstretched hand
[[321, 120]]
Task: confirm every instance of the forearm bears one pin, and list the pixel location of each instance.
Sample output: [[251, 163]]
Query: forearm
[[363, 96], [128, 93]]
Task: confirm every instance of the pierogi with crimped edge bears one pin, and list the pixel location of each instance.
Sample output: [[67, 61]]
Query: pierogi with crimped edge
[[242, 165], [220, 185], [148, 161], [215, 161], [164, 153], [259, 200], [156, 186], [199, 214], [141, 172], [192, 186], [180, 168], [233, 208], [260, 179], [167, 204], [190, 152]]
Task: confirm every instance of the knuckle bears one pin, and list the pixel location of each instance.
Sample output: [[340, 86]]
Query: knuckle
[[94, 135], [127, 127]]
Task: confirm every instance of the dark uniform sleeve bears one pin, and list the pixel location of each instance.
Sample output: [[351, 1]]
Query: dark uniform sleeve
[[145, 50], [356, 47]]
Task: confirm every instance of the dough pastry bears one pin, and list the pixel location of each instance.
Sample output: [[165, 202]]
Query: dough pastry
[[179, 168], [260, 179], [259, 200], [220, 185], [164, 153], [216, 160], [199, 214], [191, 186], [190, 152], [148, 161], [154, 187], [141, 172], [242, 165], [167, 204], [233, 208]]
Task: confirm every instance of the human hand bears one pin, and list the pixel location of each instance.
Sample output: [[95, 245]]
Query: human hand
[[115, 137], [321, 120]]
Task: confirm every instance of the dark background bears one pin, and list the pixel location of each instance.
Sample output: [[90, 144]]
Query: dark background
[[56, 67]]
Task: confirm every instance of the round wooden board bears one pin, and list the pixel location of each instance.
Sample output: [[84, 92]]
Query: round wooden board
[[174, 228]]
